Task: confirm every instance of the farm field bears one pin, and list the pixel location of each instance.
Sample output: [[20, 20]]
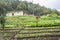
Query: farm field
[[31, 33], [46, 25], [44, 21]]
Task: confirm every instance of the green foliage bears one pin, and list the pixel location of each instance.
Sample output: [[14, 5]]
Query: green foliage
[[44, 21], [13, 5], [2, 22]]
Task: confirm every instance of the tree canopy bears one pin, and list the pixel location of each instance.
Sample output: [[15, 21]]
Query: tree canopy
[[13, 5]]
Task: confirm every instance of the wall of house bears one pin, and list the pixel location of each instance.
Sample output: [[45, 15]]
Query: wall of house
[[9, 14], [18, 13]]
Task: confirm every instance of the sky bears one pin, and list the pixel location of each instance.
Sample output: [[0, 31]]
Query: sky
[[53, 4]]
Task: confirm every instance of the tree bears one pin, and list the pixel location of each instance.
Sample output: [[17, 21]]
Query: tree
[[2, 15], [36, 9], [21, 6]]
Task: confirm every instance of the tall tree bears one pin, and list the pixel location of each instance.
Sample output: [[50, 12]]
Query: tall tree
[[2, 15]]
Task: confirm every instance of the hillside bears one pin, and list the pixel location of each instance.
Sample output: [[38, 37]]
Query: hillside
[[36, 9]]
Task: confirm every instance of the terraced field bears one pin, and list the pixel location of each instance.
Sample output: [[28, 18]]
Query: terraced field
[[32, 33], [38, 31], [43, 21], [29, 28]]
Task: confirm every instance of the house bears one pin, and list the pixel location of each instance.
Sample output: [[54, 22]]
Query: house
[[16, 13], [19, 13]]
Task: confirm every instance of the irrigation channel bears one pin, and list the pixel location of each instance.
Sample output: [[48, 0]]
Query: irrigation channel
[[30, 33]]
